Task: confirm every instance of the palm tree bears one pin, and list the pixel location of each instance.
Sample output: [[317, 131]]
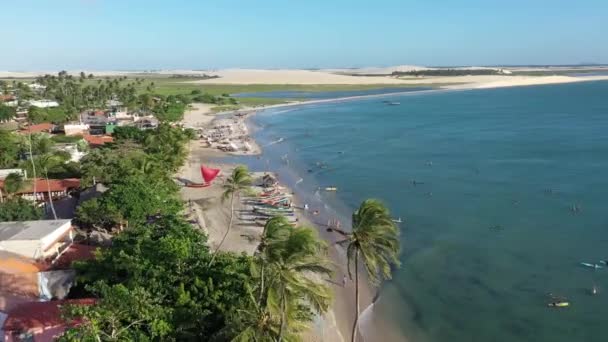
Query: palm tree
[[276, 229], [292, 259], [257, 323], [12, 184], [375, 238], [46, 162], [32, 159], [237, 182]]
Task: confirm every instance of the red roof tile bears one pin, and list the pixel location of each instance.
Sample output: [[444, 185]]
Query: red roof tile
[[98, 140], [43, 127], [39, 314], [52, 185], [7, 97]]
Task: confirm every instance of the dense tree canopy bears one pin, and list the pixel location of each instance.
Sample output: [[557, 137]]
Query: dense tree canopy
[[6, 112], [167, 259], [18, 209]]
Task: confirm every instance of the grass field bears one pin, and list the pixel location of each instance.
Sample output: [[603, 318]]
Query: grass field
[[166, 85]]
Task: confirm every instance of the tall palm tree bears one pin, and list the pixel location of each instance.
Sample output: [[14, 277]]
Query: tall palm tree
[[374, 238], [257, 323], [46, 162], [275, 230], [292, 259], [239, 181], [29, 135]]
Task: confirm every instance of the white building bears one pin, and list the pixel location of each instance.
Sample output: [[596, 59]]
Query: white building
[[43, 103], [36, 86], [76, 129], [36, 240], [72, 149]]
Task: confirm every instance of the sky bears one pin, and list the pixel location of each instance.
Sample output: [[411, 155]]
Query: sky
[[197, 34]]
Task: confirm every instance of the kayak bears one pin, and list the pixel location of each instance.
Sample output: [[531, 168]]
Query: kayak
[[559, 304], [586, 264]]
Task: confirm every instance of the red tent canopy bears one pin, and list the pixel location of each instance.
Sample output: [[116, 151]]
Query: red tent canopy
[[209, 174]]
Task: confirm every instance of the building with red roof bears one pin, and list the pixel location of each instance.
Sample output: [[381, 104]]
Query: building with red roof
[[59, 188], [39, 321], [45, 127], [98, 140]]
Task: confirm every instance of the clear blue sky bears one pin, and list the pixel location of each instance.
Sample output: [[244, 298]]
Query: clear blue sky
[[152, 34]]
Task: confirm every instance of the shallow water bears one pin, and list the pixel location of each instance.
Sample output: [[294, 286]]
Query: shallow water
[[320, 95], [489, 230]]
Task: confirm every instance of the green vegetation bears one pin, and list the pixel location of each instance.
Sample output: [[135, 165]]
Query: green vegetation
[[18, 209], [375, 239], [13, 208], [160, 281], [6, 113], [66, 139], [57, 115]]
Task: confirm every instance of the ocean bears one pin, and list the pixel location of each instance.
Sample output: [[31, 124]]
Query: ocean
[[503, 192]]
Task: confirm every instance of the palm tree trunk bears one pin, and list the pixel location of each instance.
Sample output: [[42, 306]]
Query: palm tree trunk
[[48, 186], [261, 284], [33, 164], [282, 324], [354, 334], [227, 230]]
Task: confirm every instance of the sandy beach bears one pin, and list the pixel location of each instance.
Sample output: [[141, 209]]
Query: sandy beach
[[211, 215]]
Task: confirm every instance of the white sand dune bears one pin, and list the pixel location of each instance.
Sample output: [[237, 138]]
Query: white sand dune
[[292, 76], [338, 77]]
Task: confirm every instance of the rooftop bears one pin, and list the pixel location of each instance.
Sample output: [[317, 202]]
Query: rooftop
[[43, 127], [53, 185], [98, 140], [39, 314], [29, 230]]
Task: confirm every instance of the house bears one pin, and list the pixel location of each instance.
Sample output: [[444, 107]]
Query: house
[[36, 86], [43, 103], [96, 120], [45, 127], [98, 140], [58, 188], [38, 321], [9, 100], [36, 240], [75, 129], [46, 279], [146, 122]]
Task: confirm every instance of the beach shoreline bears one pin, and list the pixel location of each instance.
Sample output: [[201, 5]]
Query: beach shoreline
[[342, 311], [211, 216]]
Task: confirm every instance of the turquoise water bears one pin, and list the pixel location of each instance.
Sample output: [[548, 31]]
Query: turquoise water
[[481, 159]]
